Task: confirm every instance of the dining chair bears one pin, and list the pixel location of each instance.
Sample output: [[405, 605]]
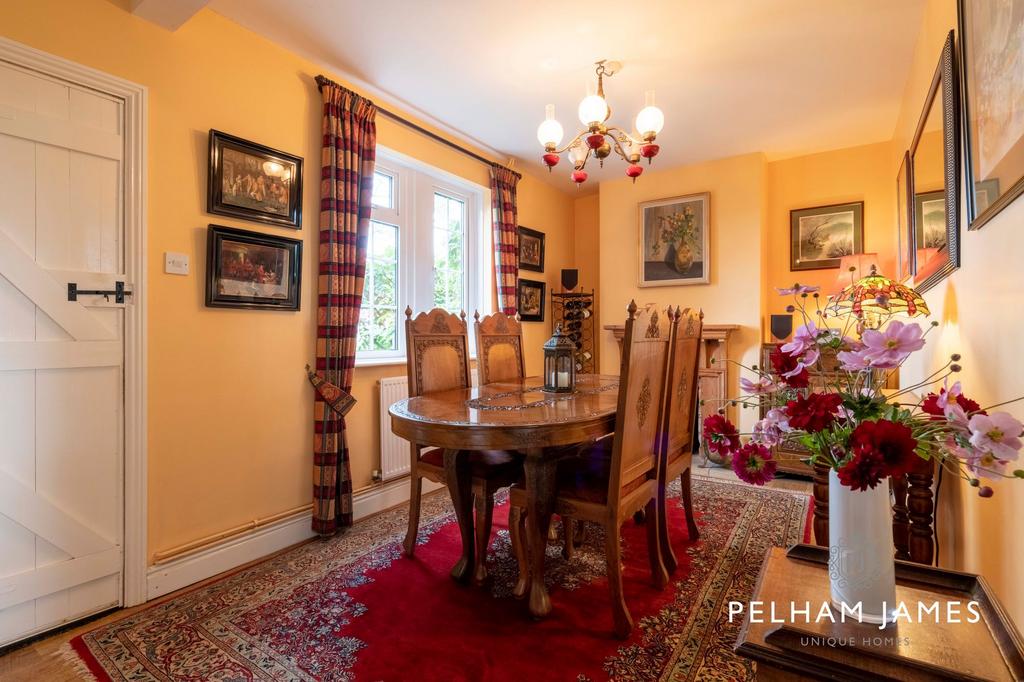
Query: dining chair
[[680, 412], [437, 349], [499, 347], [618, 475]]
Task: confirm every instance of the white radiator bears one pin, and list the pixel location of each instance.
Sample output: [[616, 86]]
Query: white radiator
[[394, 451]]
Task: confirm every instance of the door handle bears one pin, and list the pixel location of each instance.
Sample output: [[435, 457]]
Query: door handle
[[118, 292]]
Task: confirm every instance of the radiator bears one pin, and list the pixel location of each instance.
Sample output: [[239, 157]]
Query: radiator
[[394, 451]]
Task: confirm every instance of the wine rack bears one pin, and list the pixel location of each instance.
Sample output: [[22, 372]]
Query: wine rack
[[575, 312]]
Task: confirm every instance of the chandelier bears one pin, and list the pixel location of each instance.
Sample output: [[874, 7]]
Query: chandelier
[[599, 138]]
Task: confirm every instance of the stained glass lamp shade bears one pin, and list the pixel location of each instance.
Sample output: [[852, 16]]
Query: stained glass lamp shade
[[876, 295]]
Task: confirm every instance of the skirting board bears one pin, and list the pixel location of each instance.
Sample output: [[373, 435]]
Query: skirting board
[[260, 542]]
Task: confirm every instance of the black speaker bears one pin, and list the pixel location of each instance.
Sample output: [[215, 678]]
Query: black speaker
[[570, 278], [782, 327]]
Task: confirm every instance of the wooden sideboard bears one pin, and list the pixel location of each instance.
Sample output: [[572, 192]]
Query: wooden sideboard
[[713, 373]]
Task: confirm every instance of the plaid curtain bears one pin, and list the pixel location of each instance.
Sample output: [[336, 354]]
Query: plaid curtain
[[506, 236], [346, 185]]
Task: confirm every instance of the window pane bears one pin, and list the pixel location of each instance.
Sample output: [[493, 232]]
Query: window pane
[[378, 329], [449, 252], [383, 190]]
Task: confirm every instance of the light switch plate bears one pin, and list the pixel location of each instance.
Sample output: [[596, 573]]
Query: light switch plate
[[176, 263]]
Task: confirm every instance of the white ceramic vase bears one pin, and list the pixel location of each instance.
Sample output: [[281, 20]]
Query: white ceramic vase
[[861, 566]]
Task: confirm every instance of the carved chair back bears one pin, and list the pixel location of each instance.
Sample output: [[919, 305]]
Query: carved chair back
[[437, 349], [499, 348], [681, 388], [641, 397]]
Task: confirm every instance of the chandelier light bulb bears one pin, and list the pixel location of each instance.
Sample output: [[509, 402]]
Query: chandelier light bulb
[[650, 120], [577, 154], [593, 110], [549, 132]]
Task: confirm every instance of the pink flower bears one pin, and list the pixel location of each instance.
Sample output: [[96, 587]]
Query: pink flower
[[797, 289], [957, 417], [762, 386], [853, 360], [950, 393], [803, 362], [886, 350], [771, 430], [986, 465], [997, 433], [806, 337]]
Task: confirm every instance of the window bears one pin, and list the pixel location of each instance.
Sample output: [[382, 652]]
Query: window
[[423, 251]]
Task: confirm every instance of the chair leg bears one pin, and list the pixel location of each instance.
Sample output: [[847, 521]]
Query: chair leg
[[613, 556], [691, 525], [517, 536], [484, 512], [658, 573], [668, 556], [416, 484], [568, 538]]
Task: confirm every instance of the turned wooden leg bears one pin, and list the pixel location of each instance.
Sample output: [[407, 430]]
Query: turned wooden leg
[[659, 574], [415, 491], [623, 622], [668, 556], [484, 512], [568, 538], [686, 482], [460, 485], [921, 505], [821, 504], [539, 478], [900, 517], [517, 532]]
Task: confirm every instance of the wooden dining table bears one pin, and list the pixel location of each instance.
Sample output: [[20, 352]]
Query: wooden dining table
[[515, 416]]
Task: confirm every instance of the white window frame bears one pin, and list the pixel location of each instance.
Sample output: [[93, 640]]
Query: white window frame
[[414, 184]]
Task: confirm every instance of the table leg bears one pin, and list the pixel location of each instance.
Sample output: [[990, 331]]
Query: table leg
[[460, 485], [540, 501]]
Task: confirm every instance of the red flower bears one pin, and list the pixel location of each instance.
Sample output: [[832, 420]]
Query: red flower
[[720, 434], [784, 362], [930, 405], [753, 463], [864, 470], [815, 412], [890, 442]]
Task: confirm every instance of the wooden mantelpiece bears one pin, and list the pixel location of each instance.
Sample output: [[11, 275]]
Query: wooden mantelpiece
[[713, 372]]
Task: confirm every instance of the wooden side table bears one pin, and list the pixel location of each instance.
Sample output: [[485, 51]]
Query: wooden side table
[[713, 370], [988, 649]]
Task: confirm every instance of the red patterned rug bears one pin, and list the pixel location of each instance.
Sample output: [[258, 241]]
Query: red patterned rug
[[353, 608]]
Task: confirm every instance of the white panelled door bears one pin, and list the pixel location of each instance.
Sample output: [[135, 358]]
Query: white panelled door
[[61, 362]]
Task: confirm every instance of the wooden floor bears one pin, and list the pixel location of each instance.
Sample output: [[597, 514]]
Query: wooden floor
[[37, 660]]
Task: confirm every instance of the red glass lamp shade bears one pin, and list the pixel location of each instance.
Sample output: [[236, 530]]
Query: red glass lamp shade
[[649, 151], [551, 160], [579, 176], [595, 141], [634, 171]]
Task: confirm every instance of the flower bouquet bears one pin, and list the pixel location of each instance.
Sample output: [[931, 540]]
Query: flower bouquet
[[863, 433]]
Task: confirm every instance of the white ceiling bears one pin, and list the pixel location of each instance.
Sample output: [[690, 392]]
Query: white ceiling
[[785, 77]]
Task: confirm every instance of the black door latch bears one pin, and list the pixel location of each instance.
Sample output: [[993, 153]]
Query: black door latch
[[118, 293]]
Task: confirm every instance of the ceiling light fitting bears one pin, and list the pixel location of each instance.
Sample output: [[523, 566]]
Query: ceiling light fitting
[[598, 138]]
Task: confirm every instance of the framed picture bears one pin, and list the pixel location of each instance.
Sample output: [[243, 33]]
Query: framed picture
[[930, 220], [531, 249], [530, 294], [675, 245], [991, 40], [820, 236], [253, 182], [252, 270], [905, 232]]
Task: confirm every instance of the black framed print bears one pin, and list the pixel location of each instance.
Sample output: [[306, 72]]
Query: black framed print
[[531, 249], [254, 182], [821, 236], [992, 63], [252, 270], [530, 296]]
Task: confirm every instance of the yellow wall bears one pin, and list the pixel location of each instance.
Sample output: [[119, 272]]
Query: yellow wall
[[230, 410], [977, 307], [834, 177], [737, 216]]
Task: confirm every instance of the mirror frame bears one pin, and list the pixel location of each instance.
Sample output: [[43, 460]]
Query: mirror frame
[[946, 79]]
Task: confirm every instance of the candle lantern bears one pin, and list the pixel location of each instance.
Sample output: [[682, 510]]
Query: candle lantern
[[559, 364]]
